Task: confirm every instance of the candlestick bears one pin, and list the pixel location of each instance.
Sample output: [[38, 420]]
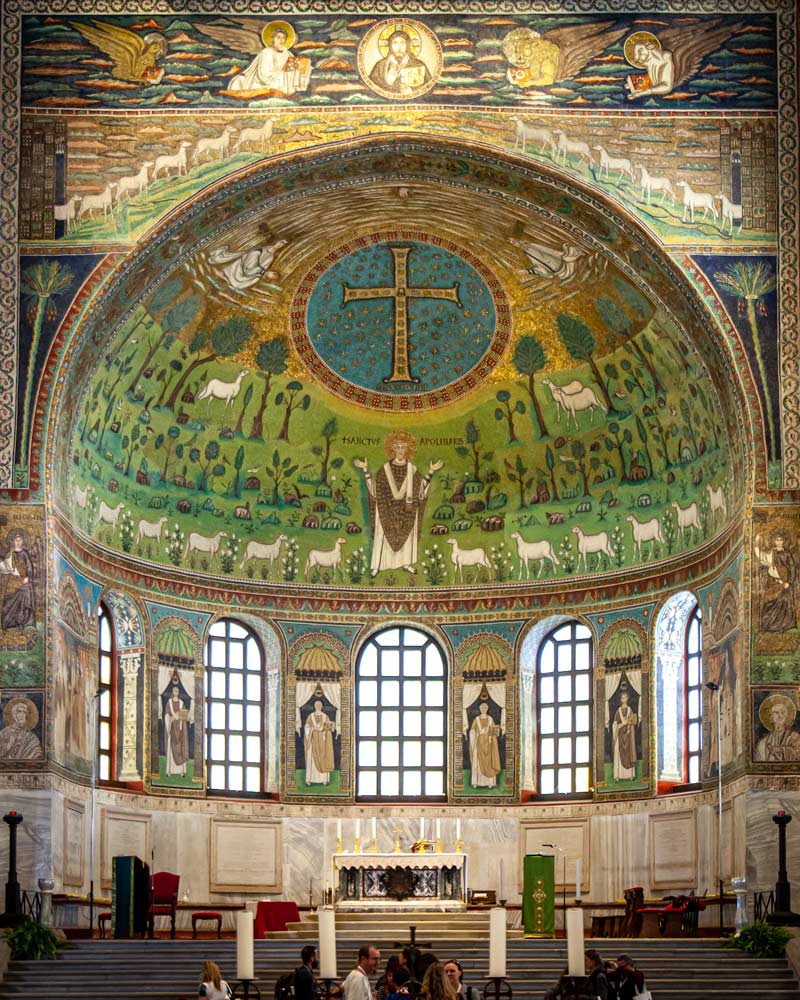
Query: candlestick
[[327, 943], [459, 846], [339, 846], [438, 829], [396, 833], [358, 829], [357, 846], [438, 846], [577, 879], [497, 942], [458, 828], [373, 845], [244, 945], [421, 828], [339, 829]]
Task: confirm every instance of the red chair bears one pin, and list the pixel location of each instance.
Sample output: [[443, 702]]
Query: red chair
[[163, 899]]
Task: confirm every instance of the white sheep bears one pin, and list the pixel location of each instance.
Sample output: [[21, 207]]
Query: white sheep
[[81, 496], [217, 389], [171, 161], [568, 146], [218, 144], [67, 212], [135, 182], [716, 499], [467, 557], [148, 529], [598, 543], [260, 550], [644, 531], [326, 558], [651, 184], [109, 515], [730, 212], [202, 543], [261, 134], [104, 201], [608, 163], [697, 199], [533, 550], [688, 518], [532, 133]]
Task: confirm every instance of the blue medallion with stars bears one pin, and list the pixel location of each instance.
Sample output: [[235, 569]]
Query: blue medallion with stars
[[400, 317]]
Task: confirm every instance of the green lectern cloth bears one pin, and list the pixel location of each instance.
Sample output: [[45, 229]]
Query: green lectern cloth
[[538, 895]]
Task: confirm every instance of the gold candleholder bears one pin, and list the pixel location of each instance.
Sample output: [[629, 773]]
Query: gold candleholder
[[338, 845], [438, 849], [396, 833], [357, 846], [459, 845], [373, 845]]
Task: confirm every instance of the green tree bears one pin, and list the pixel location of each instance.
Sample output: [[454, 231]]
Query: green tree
[[550, 461], [633, 377], [581, 345], [204, 460], [248, 395], [175, 319], [578, 464], [529, 358], [472, 450], [238, 462], [507, 410], [39, 284], [281, 470], [688, 419], [106, 420], [750, 284], [615, 441], [166, 376], [329, 431], [271, 360], [90, 402], [517, 473], [291, 400], [634, 300], [130, 444], [168, 442], [227, 338], [640, 427]]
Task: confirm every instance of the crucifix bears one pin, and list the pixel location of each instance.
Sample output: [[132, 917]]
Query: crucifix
[[413, 947], [401, 293]]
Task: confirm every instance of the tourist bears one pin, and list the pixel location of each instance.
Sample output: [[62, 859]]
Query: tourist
[[356, 986], [213, 986], [455, 973]]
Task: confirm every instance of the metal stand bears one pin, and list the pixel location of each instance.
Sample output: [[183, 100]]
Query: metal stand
[[246, 985], [497, 987], [330, 988], [783, 889], [13, 913]]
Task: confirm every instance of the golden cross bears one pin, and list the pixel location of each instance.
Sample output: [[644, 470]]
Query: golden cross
[[401, 293]]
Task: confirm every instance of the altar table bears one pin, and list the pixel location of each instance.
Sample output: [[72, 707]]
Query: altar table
[[400, 881]]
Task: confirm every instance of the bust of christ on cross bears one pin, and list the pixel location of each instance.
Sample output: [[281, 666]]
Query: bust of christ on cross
[[401, 293]]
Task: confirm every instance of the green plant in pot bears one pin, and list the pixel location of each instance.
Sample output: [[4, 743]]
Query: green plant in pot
[[30, 940], [761, 940]]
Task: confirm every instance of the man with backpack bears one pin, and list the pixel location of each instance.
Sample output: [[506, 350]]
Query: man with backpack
[[455, 975], [300, 984]]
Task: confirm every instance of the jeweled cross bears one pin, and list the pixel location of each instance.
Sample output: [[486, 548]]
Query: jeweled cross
[[401, 293]]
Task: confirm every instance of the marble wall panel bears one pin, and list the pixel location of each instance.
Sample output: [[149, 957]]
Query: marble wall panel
[[34, 836], [762, 838]]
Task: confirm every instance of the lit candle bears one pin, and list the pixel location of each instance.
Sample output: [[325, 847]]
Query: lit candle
[[438, 829], [497, 943], [421, 828], [358, 829], [578, 878], [339, 829], [374, 828], [244, 945], [327, 943], [458, 828]]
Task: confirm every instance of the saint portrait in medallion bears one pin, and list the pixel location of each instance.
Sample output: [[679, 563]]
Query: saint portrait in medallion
[[400, 59]]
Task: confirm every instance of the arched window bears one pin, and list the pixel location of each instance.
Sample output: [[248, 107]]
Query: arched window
[[564, 700], [106, 679], [401, 709], [234, 709], [679, 691], [693, 685]]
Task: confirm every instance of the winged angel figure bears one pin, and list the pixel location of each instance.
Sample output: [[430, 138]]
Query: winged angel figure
[[672, 57], [274, 68], [135, 57], [537, 60]]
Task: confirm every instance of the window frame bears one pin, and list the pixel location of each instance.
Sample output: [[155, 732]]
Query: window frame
[[209, 731], [695, 616], [572, 642], [104, 688], [401, 739]]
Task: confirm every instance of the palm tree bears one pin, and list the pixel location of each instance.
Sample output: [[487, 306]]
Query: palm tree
[[749, 283], [40, 283]]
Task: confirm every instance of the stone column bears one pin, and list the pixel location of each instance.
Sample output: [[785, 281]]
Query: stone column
[[273, 730], [131, 664], [46, 886]]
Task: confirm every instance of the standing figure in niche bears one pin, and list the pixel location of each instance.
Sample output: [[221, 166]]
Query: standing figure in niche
[[778, 609], [318, 744], [176, 733], [18, 606], [484, 749], [623, 733], [397, 496]]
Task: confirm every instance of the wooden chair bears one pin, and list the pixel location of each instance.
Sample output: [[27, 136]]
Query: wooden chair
[[163, 899]]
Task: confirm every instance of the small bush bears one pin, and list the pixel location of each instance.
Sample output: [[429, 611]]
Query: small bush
[[761, 940], [33, 941]]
